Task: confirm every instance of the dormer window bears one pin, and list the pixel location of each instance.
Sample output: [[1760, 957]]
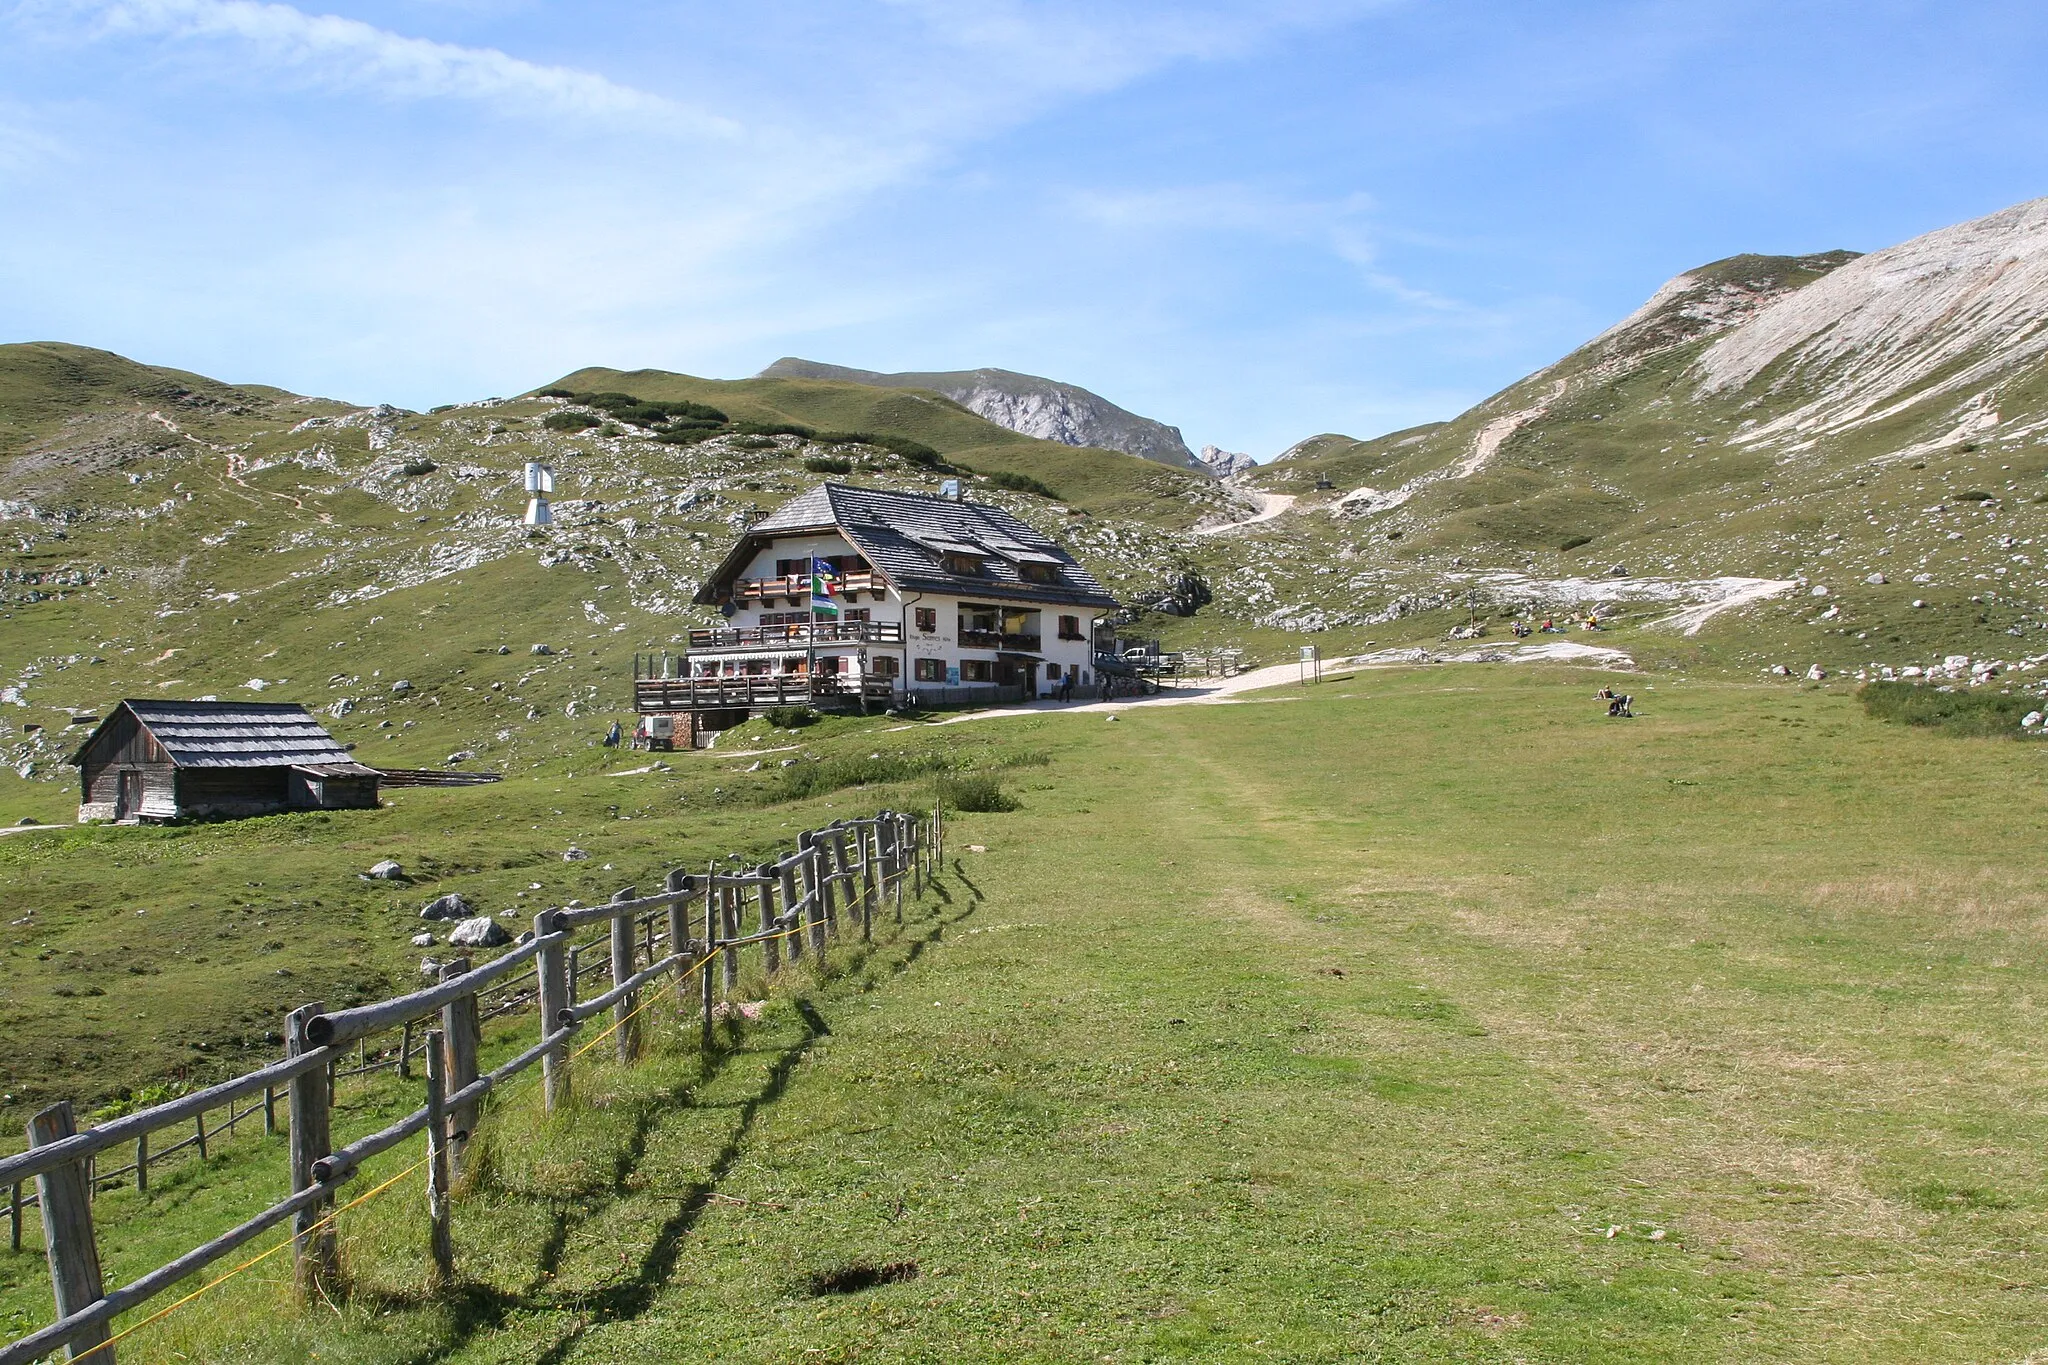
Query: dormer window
[[967, 566], [1039, 573]]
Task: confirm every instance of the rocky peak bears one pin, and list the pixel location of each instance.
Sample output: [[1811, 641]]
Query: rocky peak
[[1223, 463]]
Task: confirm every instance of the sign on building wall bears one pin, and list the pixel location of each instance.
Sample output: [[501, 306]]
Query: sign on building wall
[[952, 675]]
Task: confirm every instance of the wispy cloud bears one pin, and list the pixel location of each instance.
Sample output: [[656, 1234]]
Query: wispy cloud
[[340, 52]]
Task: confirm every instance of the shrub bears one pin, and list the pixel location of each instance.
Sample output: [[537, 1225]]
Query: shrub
[[1975, 495], [686, 436], [1993, 715], [790, 717], [1574, 543], [412, 469], [847, 438], [912, 452], [1021, 483], [702, 412], [445, 407], [774, 429], [974, 792], [833, 774], [828, 464], [752, 443], [568, 421], [554, 393]]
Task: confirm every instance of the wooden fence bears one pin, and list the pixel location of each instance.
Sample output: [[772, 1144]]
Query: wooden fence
[[835, 883]]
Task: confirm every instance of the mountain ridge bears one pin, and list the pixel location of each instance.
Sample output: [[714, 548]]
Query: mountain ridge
[[1032, 405]]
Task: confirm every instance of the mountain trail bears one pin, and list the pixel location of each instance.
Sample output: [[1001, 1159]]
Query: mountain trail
[[1271, 505]]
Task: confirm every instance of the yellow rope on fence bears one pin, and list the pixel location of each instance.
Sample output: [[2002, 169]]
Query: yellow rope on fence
[[368, 1195], [249, 1264]]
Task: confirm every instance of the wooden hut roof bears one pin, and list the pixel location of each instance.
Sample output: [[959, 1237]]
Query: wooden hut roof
[[230, 734]]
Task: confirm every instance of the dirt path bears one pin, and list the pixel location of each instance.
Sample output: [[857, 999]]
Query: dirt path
[[1271, 505]]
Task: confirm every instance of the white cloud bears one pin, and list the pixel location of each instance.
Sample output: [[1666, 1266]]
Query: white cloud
[[348, 53]]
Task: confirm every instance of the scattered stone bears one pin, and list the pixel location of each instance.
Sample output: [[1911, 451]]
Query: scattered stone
[[401, 687], [1876, 580], [504, 649], [462, 756], [541, 649], [1780, 671], [755, 766], [387, 871], [1819, 591], [2030, 720], [977, 848], [481, 932], [430, 968], [422, 940], [788, 763], [1919, 601], [1617, 571], [1816, 673], [574, 855], [1112, 719], [28, 820], [341, 707], [450, 906]]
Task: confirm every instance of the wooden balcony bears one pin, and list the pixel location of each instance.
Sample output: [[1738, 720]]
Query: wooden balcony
[[797, 587], [994, 639], [799, 635], [668, 696]]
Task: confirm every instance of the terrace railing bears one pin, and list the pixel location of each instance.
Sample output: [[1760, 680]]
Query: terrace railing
[[797, 586], [798, 635], [836, 881], [662, 696]]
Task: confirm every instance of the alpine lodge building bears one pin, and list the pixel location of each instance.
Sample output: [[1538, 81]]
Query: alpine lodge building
[[860, 597]]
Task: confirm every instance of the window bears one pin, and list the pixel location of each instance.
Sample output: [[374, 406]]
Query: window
[[885, 666], [968, 566], [855, 615], [784, 618], [1052, 670], [931, 670], [976, 670], [787, 568], [928, 620], [1070, 627], [1039, 573]]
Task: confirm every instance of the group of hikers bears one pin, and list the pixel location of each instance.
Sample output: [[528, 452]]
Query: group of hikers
[[1618, 703], [1521, 630]]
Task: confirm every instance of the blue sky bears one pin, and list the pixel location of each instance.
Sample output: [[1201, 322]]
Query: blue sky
[[1257, 221]]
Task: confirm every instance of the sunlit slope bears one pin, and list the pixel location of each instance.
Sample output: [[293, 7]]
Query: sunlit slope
[[1102, 481]]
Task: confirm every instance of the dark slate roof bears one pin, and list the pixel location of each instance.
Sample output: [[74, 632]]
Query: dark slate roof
[[232, 734], [902, 534]]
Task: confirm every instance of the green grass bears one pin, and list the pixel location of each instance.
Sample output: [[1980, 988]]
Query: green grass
[[1957, 711], [1425, 1015]]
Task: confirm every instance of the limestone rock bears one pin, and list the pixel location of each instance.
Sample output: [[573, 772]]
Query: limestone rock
[[450, 906], [387, 871], [480, 932]]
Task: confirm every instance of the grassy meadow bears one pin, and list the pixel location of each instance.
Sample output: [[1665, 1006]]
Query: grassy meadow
[[1428, 1014]]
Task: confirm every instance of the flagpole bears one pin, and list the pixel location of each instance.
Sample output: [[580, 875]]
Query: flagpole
[[811, 635]]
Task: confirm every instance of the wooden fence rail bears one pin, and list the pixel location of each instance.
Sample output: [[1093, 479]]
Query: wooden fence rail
[[836, 881]]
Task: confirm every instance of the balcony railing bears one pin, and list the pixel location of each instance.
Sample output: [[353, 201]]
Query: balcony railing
[[995, 639], [798, 585], [798, 634], [656, 696]]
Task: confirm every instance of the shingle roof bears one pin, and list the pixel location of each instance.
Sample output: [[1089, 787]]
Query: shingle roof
[[901, 535], [233, 734]]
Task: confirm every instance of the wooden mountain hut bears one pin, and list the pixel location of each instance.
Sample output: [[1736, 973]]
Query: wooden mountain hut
[[163, 760]]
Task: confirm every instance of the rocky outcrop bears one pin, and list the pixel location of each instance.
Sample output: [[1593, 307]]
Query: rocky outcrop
[[1225, 463], [1025, 403]]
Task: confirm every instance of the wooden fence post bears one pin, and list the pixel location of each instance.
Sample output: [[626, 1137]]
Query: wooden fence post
[[625, 1011], [68, 1241], [405, 1052], [831, 862], [269, 1110], [710, 947], [199, 1126], [771, 951], [677, 884], [442, 1244], [817, 887], [14, 1217], [729, 928], [792, 906], [142, 1163], [554, 998], [899, 836], [315, 1251], [461, 1033]]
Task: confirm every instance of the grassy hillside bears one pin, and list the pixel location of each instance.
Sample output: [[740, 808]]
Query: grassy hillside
[[1223, 1051], [1103, 481]]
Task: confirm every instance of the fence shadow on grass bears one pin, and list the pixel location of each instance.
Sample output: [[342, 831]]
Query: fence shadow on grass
[[474, 1309]]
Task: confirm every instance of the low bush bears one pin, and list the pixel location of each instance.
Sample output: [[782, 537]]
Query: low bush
[[568, 421], [1021, 483], [977, 792], [412, 469], [752, 443], [912, 452], [834, 774], [790, 717], [555, 393], [774, 429], [1574, 543], [686, 435], [1992, 715], [828, 464]]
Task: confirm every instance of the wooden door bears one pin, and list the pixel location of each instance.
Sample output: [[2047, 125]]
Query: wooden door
[[128, 799]]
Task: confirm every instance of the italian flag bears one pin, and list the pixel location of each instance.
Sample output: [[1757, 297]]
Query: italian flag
[[822, 579]]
